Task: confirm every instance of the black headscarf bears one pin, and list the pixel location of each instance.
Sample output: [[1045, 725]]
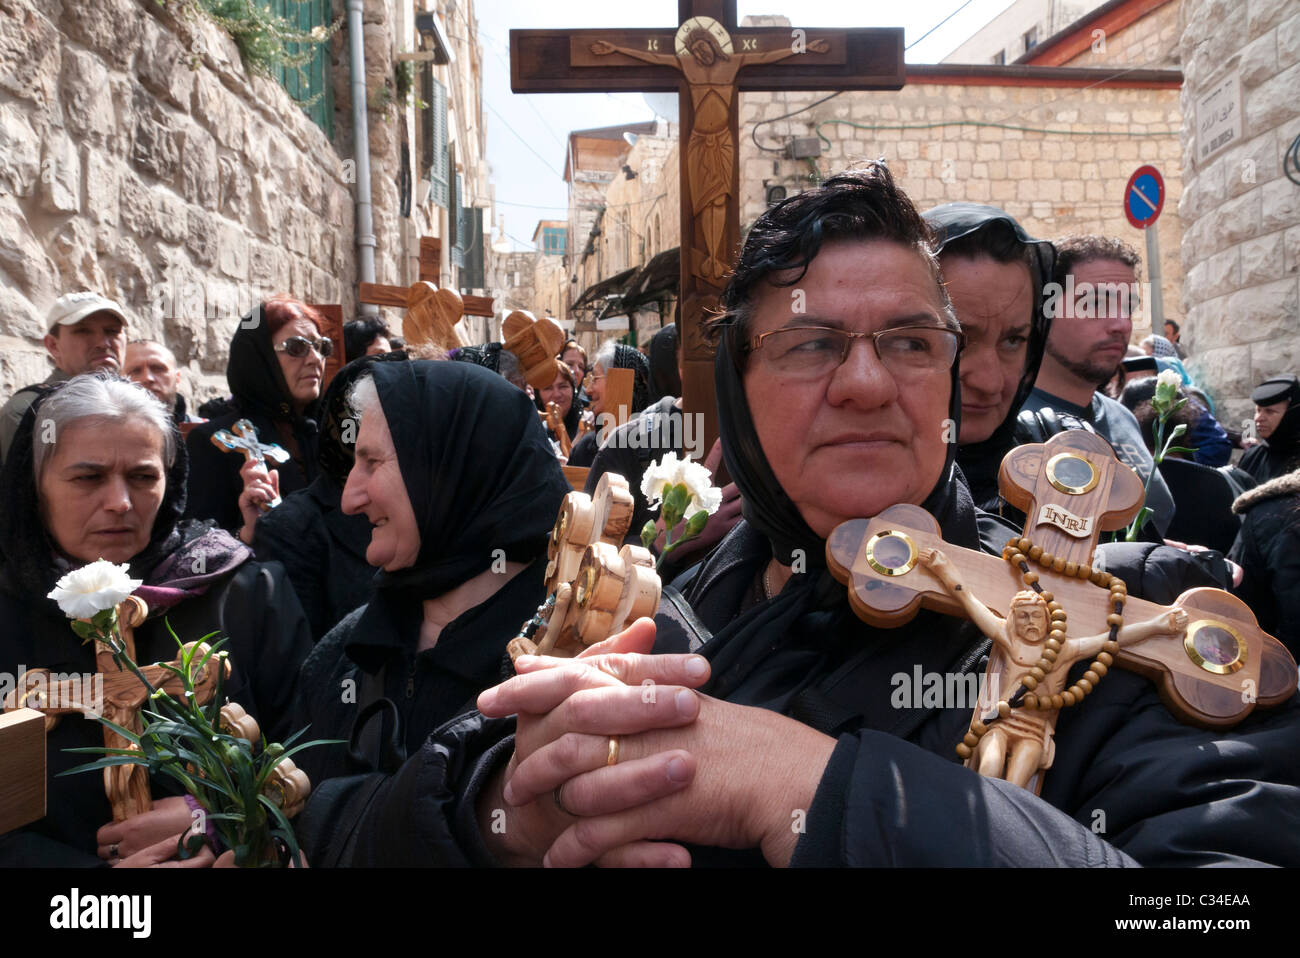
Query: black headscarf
[[487, 355], [335, 453], [573, 416], [256, 380], [950, 222], [32, 563], [478, 469], [625, 357], [664, 377]]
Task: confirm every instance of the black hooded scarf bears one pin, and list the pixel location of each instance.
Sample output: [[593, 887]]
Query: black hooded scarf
[[980, 461], [664, 377], [261, 396], [625, 357], [478, 470]]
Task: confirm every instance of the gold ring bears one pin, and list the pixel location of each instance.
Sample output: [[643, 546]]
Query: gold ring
[[613, 751]]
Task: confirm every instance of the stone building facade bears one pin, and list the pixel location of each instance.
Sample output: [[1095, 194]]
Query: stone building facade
[[1241, 244], [139, 158]]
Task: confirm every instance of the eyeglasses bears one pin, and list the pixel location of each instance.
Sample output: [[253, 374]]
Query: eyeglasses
[[297, 346], [810, 352]]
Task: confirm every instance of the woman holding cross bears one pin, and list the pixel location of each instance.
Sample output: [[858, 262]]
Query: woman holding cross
[[97, 470], [769, 730]]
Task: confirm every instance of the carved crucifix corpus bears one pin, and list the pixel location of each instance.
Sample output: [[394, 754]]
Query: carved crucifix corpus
[[595, 584], [242, 437], [707, 60], [118, 695], [1207, 655]]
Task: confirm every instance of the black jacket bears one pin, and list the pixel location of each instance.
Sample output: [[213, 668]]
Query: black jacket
[[1268, 550], [1280, 453], [894, 792], [323, 552]]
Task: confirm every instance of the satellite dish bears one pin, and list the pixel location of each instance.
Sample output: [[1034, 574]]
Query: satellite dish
[[664, 104]]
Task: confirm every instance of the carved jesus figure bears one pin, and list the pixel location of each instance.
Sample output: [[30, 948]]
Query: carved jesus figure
[[1017, 747], [710, 153]]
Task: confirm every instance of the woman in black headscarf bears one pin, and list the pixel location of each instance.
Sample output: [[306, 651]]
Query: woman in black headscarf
[[275, 371], [612, 355], [112, 486], [808, 747], [995, 274], [454, 473], [323, 550]]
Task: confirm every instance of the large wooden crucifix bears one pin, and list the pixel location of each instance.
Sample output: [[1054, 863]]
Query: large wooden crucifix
[[707, 61]]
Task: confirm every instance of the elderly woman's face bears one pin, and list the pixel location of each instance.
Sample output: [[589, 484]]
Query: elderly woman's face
[[559, 392], [101, 488], [596, 389], [375, 489], [573, 359], [860, 438]]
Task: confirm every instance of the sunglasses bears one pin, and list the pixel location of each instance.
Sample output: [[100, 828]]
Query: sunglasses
[[298, 346]]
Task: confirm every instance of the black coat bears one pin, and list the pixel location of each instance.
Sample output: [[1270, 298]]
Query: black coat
[[323, 552], [894, 792], [255, 607], [1280, 453], [1268, 550]]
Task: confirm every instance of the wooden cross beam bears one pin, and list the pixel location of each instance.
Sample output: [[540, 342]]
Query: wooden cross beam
[[431, 313], [118, 696], [22, 768], [1212, 673], [707, 60]]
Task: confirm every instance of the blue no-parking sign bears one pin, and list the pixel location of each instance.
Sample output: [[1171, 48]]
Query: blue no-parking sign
[[1144, 197]]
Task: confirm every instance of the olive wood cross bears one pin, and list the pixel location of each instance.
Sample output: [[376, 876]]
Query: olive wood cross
[[595, 585], [536, 343], [117, 695], [242, 437], [1071, 488]]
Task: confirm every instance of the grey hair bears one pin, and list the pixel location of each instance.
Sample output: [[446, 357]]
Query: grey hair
[[605, 355], [363, 394], [102, 397]]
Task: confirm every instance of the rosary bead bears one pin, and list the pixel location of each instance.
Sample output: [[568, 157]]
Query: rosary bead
[[1067, 697], [1055, 637], [1085, 572], [1057, 614], [1110, 647], [1037, 673], [1049, 598], [1029, 682], [1116, 620], [1105, 660], [1024, 545], [1084, 685], [978, 727], [1098, 668], [963, 750], [1030, 578], [1058, 564], [1092, 676], [970, 740], [1031, 701], [1035, 552], [1004, 710], [1057, 701], [1046, 559], [1071, 569]]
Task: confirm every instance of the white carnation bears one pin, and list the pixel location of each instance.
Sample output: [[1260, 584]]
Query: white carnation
[[671, 471], [93, 588], [1170, 377]]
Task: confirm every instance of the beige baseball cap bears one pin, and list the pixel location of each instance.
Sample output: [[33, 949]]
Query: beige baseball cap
[[74, 307]]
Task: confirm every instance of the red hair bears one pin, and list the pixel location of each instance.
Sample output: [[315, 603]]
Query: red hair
[[282, 309]]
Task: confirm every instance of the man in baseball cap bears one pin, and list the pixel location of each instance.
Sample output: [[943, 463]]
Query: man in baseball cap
[[1277, 423], [85, 332]]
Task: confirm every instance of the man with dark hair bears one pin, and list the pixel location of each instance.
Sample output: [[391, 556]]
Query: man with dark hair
[[85, 332], [152, 365], [1094, 291], [365, 337], [1277, 423], [1172, 332]]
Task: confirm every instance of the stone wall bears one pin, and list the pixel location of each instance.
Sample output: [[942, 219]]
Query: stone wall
[[1069, 180], [1241, 248], [1151, 41], [140, 159]]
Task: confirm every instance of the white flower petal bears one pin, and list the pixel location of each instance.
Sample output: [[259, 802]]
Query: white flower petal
[[93, 588]]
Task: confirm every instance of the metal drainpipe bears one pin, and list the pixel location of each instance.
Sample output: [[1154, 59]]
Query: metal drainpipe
[[365, 225]]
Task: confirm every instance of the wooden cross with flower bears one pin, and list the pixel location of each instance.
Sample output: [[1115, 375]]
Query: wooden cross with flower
[[596, 584], [192, 736]]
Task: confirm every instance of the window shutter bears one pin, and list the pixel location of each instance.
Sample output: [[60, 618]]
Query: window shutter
[[435, 159]]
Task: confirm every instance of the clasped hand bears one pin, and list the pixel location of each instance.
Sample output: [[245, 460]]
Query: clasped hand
[[689, 767]]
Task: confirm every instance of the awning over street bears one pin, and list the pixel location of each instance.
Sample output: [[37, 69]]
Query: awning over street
[[597, 295], [658, 278]]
